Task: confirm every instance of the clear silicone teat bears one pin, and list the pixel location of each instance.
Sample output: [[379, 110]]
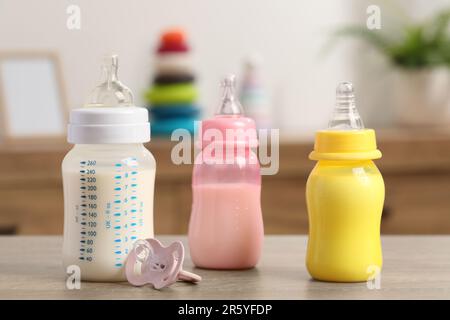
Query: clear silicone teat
[[110, 92], [230, 105], [345, 115]]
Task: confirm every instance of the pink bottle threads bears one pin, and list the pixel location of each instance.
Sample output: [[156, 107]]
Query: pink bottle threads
[[226, 227]]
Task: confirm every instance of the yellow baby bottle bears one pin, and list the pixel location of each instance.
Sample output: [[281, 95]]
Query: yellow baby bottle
[[345, 196]]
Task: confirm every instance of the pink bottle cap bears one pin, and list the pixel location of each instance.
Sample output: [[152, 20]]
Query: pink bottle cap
[[151, 262]]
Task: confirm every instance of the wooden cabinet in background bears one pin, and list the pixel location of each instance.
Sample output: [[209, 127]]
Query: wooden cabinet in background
[[415, 167]]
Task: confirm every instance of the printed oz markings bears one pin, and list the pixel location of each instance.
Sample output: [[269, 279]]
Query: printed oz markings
[[118, 214]]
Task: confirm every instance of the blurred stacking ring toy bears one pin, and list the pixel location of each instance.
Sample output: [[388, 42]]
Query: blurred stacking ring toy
[[253, 93], [173, 95]]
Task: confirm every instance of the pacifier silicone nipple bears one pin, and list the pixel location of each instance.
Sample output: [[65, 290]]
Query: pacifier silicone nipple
[[110, 92], [230, 104], [151, 262], [345, 114]]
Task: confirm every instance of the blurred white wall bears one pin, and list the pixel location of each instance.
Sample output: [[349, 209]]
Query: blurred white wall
[[289, 34]]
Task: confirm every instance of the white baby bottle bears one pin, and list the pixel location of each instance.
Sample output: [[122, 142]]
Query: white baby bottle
[[108, 180]]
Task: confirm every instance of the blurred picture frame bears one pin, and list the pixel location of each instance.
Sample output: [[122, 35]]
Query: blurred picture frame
[[33, 102]]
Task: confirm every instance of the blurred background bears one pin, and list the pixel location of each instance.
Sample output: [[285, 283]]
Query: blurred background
[[289, 56]]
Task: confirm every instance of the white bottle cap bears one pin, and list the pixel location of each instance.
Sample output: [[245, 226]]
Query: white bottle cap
[[109, 125], [109, 116]]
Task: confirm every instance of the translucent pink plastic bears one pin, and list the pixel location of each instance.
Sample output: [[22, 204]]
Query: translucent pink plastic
[[151, 263], [226, 227]]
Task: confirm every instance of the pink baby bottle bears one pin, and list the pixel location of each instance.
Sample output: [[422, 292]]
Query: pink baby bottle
[[226, 227]]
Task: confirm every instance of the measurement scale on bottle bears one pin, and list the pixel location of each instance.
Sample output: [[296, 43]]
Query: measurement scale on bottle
[[88, 212], [122, 210]]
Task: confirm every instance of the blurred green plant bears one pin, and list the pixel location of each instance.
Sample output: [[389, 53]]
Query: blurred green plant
[[417, 45]]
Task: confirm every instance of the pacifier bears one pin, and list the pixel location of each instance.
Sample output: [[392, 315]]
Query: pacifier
[[151, 262]]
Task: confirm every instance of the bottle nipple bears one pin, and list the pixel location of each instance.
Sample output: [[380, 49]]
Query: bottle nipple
[[110, 92], [345, 114], [230, 104]]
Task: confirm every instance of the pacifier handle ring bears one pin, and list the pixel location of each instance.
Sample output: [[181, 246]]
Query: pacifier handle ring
[[189, 276]]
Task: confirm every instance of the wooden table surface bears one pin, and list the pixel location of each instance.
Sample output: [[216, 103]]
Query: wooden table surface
[[415, 267]]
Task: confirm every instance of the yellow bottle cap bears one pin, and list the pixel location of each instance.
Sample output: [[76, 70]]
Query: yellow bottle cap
[[345, 145]]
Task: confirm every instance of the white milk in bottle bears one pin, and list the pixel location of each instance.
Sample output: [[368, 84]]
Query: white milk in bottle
[[108, 180]]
